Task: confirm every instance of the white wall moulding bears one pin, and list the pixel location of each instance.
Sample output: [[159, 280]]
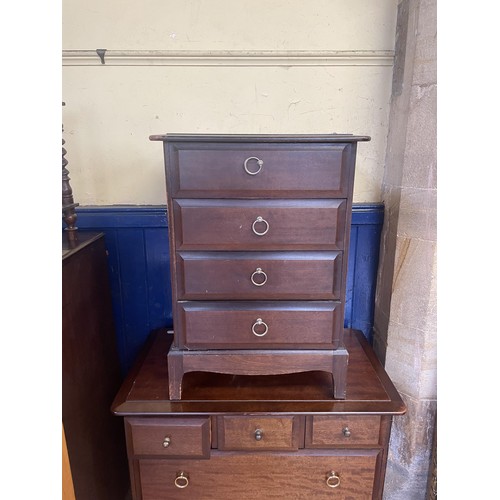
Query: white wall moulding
[[226, 58]]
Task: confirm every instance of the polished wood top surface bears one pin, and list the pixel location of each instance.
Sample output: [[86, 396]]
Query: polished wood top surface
[[284, 138], [145, 391], [80, 240]]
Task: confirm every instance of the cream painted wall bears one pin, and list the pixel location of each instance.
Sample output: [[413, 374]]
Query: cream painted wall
[[218, 66]]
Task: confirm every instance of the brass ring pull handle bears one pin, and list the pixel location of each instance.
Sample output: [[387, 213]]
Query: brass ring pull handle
[[166, 442], [332, 479], [259, 322], [260, 163], [257, 272], [260, 220], [259, 434], [182, 480], [346, 432]]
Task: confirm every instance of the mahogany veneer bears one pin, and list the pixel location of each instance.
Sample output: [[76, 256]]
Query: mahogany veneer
[[262, 218], [247, 437], [90, 371]]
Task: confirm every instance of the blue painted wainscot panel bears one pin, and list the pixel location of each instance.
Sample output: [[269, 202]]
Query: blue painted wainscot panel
[[139, 264]]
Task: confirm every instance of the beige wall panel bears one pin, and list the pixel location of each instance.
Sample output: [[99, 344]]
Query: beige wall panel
[[229, 24], [111, 111]]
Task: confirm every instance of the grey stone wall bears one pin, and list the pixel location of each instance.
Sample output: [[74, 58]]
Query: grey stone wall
[[405, 310]]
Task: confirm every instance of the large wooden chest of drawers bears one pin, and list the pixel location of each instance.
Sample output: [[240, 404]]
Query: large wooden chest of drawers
[[259, 233], [266, 437]]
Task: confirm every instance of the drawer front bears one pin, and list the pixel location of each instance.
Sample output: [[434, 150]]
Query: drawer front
[[282, 324], [259, 275], [251, 476], [287, 171], [172, 437], [259, 433], [348, 430], [259, 225]]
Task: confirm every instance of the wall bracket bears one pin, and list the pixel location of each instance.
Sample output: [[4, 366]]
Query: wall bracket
[[101, 53]]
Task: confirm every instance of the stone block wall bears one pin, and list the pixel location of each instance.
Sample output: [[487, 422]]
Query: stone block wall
[[405, 312]]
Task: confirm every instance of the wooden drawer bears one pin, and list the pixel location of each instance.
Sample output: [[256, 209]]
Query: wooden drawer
[[262, 433], [251, 476], [259, 275], [292, 324], [172, 437], [259, 224], [345, 430], [216, 170]]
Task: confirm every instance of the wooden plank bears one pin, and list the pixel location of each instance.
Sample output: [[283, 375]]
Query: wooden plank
[[68, 492], [351, 269], [365, 279], [157, 256], [133, 291]]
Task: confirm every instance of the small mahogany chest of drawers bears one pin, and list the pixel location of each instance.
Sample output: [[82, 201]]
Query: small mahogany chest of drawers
[[266, 437], [259, 231]]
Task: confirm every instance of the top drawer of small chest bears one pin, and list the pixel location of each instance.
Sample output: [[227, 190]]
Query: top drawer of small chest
[[258, 170]]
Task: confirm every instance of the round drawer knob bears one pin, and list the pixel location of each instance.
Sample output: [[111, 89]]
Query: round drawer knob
[[259, 434], [260, 164], [332, 479], [263, 225], [346, 432], [256, 326], [256, 273], [182, 480], [166, 442]]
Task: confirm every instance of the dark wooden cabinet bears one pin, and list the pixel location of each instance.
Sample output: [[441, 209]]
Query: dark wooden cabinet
[[90, 373], [237, 403], [259, 235], [246, 437]]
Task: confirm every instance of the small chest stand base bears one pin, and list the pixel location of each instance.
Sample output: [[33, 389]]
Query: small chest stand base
[[257, 362]]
